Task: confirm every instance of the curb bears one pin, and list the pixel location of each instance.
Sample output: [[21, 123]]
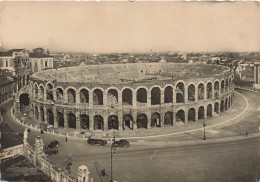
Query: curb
[[135, 139]]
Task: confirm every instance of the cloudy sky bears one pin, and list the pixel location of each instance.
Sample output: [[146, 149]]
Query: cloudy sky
[[131, 26]]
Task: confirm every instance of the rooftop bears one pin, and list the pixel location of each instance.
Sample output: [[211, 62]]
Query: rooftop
[[39, 55], [10, 52]]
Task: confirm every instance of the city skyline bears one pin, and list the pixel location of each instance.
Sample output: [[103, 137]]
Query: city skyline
[[131, 27]]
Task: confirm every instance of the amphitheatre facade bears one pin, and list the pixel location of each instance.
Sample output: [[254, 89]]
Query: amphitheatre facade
[[130, 96]]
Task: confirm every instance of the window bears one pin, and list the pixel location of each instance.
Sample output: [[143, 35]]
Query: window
[[6, 63], [46, 63]]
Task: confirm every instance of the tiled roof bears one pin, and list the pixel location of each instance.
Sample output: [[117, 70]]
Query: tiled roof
[[15, 50], [5, 54], [38, 55], [10, 52]]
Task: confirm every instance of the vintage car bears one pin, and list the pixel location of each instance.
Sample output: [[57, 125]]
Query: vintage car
[[121, 143], [92, 141], [53, 143]]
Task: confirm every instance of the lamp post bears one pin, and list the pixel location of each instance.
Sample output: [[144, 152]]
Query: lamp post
[[112, 148], [204, 125]]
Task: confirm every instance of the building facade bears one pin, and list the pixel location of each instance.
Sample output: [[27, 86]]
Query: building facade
[[6, 89], [7, 58]]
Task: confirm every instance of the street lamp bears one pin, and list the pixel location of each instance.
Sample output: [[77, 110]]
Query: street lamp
[[112, 148], [204, 125]]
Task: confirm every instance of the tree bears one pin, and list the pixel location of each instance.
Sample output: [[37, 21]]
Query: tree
[[48, 52]]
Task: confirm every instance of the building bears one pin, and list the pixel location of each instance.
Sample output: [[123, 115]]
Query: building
[[140, 96], [6, 88], [40, 61], [7, 58], [257, 74]]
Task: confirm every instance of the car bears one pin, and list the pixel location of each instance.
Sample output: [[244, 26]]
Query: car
[[50, 151], [53, 143], [92, 141], [121, 143]]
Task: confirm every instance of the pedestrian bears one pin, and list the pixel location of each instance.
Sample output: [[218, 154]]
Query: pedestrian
[[246, 133], [66, 138]]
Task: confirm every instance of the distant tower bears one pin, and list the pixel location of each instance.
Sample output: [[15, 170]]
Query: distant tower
[[83, 174]]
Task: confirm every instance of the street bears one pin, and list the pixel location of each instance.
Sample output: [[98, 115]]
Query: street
[[227, 161]]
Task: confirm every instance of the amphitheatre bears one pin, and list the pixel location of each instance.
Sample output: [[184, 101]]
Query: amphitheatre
[[130, 96]]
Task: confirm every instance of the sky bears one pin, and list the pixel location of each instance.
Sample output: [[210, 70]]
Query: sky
[[131, 26]]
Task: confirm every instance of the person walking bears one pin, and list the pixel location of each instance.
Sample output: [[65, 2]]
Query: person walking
[[66, 138]]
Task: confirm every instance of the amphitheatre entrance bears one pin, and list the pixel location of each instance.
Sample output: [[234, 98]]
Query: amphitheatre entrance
[[24, 100]]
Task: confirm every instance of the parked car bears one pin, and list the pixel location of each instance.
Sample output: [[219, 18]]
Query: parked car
[[50, 151], [121, 143], [53, 143], [92, 141]]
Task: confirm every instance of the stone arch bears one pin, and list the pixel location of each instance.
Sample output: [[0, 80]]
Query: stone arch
[[229, 82], [155, 95], [128, 121], [84, 121], [59, 93], [50, 117], [222, 85], [41, 91], [35, 88], [156, 120], [98, 122], [192, 114], [191, 92], [180, 92], [209, 90], [180, 116], [168, 94], [226, 85], [97, 97], [36, 111], [60, 119], [201, 91], [127, 96], [24, 100], [226, 103], [71, 95], [84, 95], [201, 112], [222, 106], [49, 91], [112, 97], [141, 95], [72, 120], [216, 108], [209, 110], [42, 114], [168, 118], [141, 121], [113, 122], [216, 89]]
